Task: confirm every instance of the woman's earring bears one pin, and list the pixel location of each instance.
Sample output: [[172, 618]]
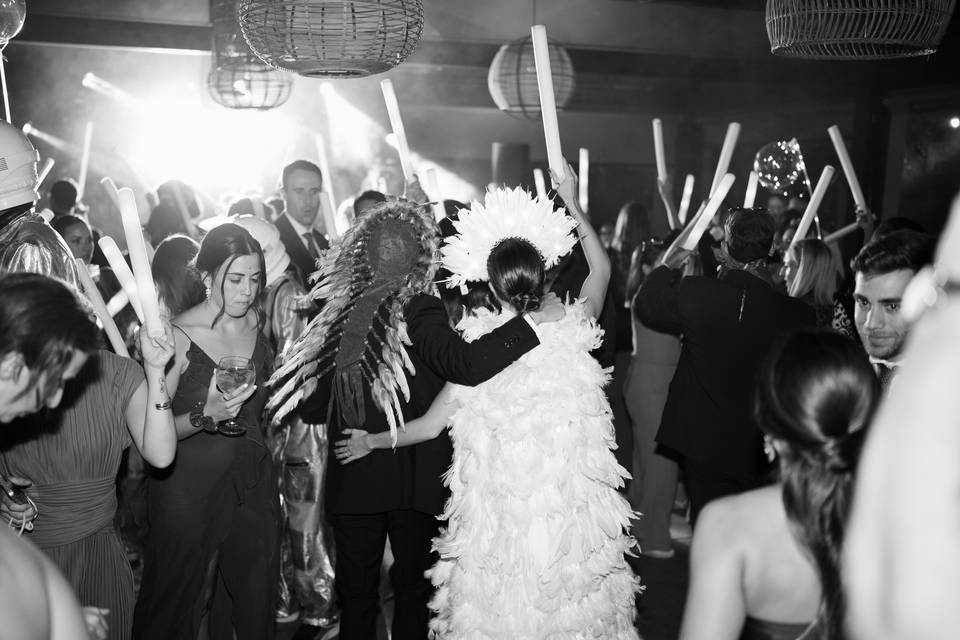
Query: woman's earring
[[768, 449]]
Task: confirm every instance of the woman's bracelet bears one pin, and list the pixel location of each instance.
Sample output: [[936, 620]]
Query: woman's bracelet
[[162, 406]]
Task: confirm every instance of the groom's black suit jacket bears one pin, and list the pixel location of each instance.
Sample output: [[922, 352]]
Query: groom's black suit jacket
[[410, 477]]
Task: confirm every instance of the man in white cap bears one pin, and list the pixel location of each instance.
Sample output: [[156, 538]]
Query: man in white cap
[[299, 447]]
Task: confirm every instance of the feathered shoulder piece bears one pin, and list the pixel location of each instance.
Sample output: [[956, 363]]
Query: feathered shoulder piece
[[505, 213], [362, 284]]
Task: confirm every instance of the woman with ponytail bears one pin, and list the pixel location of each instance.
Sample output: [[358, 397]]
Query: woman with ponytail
[[765, 565], [535, 538]]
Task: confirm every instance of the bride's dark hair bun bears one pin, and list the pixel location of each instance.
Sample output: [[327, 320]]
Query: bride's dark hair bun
[[516, 274]]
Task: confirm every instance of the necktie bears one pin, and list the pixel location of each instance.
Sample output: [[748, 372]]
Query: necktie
[[311, 245], [884, 374]]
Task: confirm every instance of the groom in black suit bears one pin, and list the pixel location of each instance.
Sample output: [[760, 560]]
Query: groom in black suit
[[301, 185], [399, 493]]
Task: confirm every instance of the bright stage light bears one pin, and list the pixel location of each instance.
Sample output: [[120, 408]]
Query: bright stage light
[[955, 122], [27, 129], [52, 140]]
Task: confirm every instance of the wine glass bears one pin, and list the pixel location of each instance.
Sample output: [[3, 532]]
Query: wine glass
[[232, 373]]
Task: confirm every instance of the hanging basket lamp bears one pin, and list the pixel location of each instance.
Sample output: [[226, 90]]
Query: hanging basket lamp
[[332, 39], [512, 79], [237, 78], [248, 85], [856, 29]]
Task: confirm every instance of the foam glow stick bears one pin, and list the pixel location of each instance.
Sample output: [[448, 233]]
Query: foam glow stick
[[84, 160], [685, 199], [584, 181], [433, 192], [329, 219], [146, 289], [396, 123], [548, 104], [847, 166], [45, 171], [841, 232], [811, 211], [539, 182], [96, 301], [726, 154], [118, 302], [658, 150], [700, 224], [111, 190], [120, 269], [327, 175], [751, 196]]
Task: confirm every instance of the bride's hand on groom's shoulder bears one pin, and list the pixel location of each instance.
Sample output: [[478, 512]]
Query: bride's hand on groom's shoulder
[[551, 310]]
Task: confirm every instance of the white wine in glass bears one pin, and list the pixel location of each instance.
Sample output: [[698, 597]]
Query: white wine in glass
[[232, 373]]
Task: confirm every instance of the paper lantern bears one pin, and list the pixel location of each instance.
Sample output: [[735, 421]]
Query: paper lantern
[[856, 29], [332, 39], [512, 79]]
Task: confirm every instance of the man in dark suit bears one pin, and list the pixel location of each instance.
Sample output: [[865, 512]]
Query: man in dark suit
[[301, 184], [727, 324], [882, 270], [396, 494]]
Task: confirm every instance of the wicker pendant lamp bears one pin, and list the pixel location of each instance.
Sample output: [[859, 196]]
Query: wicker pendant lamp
[[237, 78], [512, 79], [332, 38], [856, 29]]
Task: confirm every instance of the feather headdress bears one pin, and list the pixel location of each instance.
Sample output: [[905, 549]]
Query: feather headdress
[[505, 213], [363, 284]]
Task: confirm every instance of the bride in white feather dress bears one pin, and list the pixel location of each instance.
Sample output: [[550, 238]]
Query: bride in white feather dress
[[536, 539]]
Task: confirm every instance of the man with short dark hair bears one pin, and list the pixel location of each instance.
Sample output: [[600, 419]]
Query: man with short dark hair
[[882, 270], [301, 184], [367, 200], [728, 324]]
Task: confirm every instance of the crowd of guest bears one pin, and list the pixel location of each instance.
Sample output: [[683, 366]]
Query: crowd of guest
[[748, 372]]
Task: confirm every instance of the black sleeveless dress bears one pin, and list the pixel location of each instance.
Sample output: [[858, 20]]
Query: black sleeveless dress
[[214, 524]]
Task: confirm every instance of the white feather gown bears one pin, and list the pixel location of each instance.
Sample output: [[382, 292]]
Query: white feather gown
[[535, 538]]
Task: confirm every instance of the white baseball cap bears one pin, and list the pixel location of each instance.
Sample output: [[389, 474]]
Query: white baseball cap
[[18, 168]]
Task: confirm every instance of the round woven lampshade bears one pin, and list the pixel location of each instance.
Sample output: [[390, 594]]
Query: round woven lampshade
[[237, 78], [856, 29], [512, 79], [248, 85], [331, 38]]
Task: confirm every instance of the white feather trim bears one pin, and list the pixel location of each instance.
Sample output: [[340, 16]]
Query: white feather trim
[[536, 529], [505, 213]]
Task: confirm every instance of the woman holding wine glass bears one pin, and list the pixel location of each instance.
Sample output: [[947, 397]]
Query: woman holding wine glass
[[214, 513]]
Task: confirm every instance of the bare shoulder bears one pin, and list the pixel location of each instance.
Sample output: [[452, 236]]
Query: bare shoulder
[[24, 606], [737, 521]]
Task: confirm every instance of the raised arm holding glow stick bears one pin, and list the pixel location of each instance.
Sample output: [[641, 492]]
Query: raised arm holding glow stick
[[811, 211], [726, 154], [96, 301], [751, 195], [84, 160], [702, 222], [847, 166], [146, 289], [685, 199], [539, 182], [583, 184], [548, 104], [396, 123], [122, 271]]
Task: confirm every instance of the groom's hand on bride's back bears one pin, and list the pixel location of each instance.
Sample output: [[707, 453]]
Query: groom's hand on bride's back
[[551, 310]]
